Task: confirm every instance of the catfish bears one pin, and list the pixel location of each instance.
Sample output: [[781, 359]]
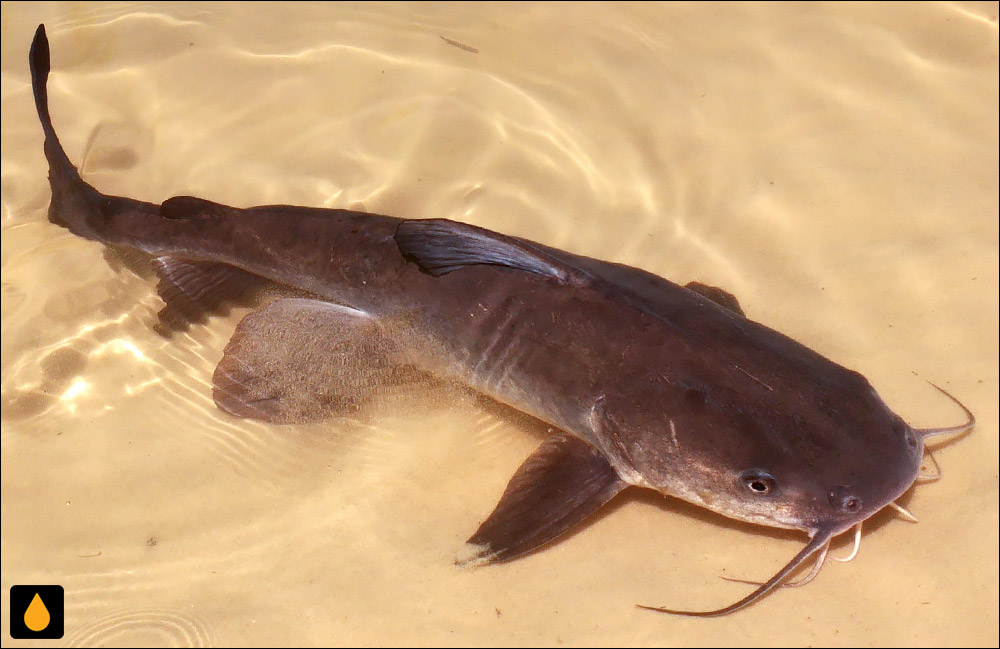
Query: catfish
[[646, 383]]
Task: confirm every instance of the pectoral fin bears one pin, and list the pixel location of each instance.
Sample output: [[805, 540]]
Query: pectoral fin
[[560, 484], [299, 360]]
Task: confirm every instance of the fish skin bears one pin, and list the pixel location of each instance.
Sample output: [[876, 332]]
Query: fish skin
[[676, 391]]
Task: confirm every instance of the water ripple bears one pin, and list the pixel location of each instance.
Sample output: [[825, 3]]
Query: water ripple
[[143, 628]]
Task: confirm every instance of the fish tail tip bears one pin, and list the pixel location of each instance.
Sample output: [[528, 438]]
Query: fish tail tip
[[73, 203], [39, 53], [39, 64]]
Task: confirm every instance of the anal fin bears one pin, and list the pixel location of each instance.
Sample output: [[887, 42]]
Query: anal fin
[[195, 290], [299, 360], [134, 260], [558, 486]]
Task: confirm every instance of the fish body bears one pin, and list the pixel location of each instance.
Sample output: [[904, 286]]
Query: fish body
[[649, 383]]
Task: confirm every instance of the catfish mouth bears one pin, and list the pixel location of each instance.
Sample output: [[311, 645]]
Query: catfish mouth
[[846, 508]]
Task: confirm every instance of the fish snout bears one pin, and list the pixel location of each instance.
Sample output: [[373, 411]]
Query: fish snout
[[844, 500]]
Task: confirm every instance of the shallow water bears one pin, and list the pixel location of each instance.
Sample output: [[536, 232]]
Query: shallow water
[[833, 166]]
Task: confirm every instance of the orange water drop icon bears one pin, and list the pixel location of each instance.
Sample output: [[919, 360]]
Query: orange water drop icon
[[36, 617]]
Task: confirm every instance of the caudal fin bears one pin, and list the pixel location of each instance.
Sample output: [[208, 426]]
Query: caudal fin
[[76, 205], [38, 59]]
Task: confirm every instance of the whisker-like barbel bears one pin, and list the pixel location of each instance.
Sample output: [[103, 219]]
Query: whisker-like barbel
[[817, 565], [857, 545], [931, 477], [948, 430], [904, 512], [818, 542]]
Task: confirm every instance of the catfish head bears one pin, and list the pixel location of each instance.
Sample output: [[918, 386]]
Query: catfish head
[[821, 459]]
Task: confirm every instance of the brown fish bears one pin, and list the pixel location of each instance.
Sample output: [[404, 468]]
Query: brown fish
[[650, 384]]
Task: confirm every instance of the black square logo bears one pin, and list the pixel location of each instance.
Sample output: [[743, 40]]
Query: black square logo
[[36, 612]]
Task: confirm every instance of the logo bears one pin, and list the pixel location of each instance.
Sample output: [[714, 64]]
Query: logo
[[36, 612]]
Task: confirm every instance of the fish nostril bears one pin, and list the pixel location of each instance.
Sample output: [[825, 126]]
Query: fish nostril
[[841, 498]]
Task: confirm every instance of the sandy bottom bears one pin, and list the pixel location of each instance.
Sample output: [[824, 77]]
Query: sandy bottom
[[833, 166]]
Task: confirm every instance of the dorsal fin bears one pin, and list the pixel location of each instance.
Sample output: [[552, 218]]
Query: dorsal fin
[[190, 207], [440, 246], [720, 296]]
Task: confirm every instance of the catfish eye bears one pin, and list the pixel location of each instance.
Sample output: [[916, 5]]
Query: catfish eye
[[759, 482]]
